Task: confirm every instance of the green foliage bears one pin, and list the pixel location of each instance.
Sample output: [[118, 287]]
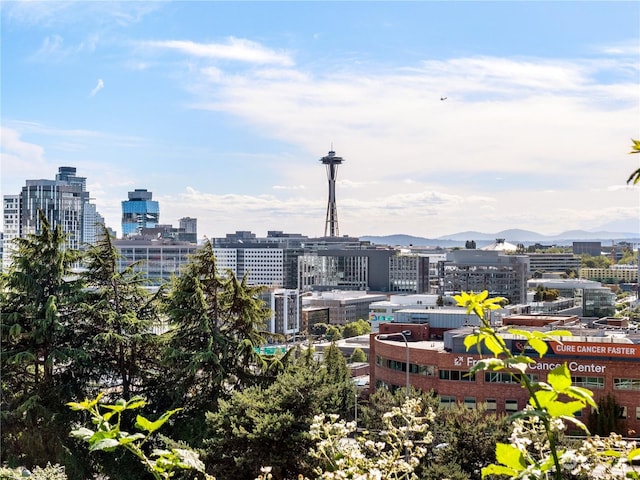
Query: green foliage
[[468, 436], [547, 410], [629, 257], [355, 329], [590, 261], [217, 325], [37, 301], [358, 356], [117, 317], [334, 332], [606, 419], [108, 436], [392, 453], [318, 329], [49, 472], [441, 471], [544, 294], [382, 400], [249, 430]]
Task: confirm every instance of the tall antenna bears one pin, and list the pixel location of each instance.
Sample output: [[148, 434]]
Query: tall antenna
[[331, 222]]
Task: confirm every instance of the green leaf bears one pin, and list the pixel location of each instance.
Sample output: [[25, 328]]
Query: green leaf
[[519, 363], [559, 378], [491, 364], [499, 470], [149, 426], [510, 456], [545, 398], [521, 333], [633, 454], [130, 438], [494, 345], [135, 403], [564, 409], [471, 340], [582, 394], [106, 444], [577, 423], [555, 333], [82, 433], [611, 453], [539, 346], [86, 404]]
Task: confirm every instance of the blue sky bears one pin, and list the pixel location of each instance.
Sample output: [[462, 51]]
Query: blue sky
[[223, 110]]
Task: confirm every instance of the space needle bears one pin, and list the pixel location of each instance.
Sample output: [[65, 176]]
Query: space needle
[[331, 224]]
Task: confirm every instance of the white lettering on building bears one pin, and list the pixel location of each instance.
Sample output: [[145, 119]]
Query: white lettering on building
[[574, 367]]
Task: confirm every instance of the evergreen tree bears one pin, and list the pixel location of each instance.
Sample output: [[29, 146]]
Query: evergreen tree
[[269, 426], [115, 329], [37, 297], [217, 324], [119, 315], [358, 355], [468, 437]]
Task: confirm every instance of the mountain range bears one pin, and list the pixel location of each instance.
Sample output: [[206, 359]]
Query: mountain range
[[525, 237]]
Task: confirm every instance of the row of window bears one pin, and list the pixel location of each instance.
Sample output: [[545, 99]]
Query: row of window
[[510, 406], [500, 377], [491, 404]]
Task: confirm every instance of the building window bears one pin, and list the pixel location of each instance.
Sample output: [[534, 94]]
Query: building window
[[470, 402], [491, 404], [427, 370], [447, 401], [458, 375], [623, 413], [637, 413], [506, 377], [588, 382], [626, 384], [511, 405]]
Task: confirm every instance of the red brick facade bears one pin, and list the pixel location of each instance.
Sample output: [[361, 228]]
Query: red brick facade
[[433, 368]]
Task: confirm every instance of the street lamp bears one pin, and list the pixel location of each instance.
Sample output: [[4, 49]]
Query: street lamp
[[404, 334]]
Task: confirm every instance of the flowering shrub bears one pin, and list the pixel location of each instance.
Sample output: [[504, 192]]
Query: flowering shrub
[[390, 454]]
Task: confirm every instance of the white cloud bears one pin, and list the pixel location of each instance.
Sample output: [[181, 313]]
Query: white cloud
[[97, 88], [235, 49]]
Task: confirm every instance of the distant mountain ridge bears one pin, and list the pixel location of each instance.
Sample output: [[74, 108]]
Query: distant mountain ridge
[[525, 237]]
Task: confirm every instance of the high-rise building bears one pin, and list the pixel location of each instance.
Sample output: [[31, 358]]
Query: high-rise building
[[140, 211], [64, 202], [492, 270], [190, 227], [11, 218]]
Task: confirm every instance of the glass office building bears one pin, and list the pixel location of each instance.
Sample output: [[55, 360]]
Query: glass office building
[[140, 211]]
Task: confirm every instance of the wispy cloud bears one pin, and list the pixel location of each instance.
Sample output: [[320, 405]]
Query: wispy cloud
[[27, 12], [97, 88], [235, 49], [53, 48]]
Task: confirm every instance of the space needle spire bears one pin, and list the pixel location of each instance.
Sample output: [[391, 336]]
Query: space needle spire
[[331, 223]]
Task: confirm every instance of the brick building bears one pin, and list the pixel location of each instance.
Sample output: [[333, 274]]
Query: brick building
[[604, 360]]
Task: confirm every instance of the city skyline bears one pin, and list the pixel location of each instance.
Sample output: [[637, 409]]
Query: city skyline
[[450, 116]]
